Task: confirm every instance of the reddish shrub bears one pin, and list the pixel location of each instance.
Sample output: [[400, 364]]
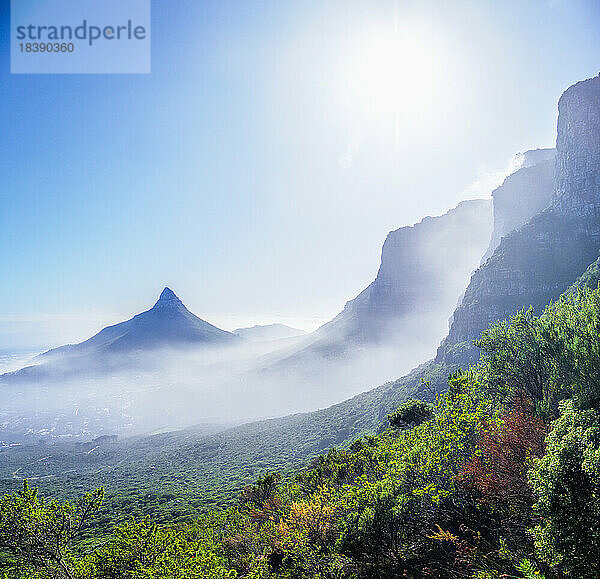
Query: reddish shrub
[[499, 470]]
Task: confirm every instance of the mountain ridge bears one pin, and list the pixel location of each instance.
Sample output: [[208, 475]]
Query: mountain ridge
[[167, 323]]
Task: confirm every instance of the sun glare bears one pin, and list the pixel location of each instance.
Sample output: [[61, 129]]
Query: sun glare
[[398, 73]]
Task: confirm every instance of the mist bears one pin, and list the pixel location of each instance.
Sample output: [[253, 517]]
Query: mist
[[167, 369]]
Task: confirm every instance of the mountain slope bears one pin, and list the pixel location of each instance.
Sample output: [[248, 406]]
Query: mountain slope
[[268, 332], [423, 270], [402, 315], [167, 324], [541, 259]]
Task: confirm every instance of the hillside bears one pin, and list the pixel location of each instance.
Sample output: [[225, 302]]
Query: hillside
[[191, 468], [167, 324]]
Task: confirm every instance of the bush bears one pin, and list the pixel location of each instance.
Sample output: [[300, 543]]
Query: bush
[[410, 414], [566, 482]]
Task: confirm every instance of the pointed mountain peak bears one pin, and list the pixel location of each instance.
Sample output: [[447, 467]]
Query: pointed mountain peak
[[168, 298]]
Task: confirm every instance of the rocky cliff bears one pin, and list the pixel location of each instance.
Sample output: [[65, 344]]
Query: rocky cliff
[[424, 268], [537, 262], [522, 195], [400, 317], [577, 185]]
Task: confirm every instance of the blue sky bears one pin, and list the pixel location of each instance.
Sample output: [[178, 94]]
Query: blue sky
[[259, 167]]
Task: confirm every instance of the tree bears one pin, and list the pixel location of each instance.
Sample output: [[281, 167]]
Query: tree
[[514, 356], [40, 534], [141, 550], [572, 335], [552, 358], [498, 470], [498, 474]]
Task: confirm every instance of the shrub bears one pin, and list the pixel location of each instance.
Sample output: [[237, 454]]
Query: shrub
[[411, 414], [566, 482]]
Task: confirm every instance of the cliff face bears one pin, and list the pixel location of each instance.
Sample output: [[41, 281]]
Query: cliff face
[[392, 325], [577, 186], [522, 195], [537, 262], [424, 268]]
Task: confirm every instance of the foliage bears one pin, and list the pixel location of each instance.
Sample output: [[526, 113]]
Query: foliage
[[515, 356], [41, 534], [567, 485], [142, 550], [410, 414], [553, 357], [498, 469], [589, 279], [573, 337]]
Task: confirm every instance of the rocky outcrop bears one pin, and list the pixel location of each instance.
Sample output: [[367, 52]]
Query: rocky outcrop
[[536, 156], [541, 259], [522, 195]]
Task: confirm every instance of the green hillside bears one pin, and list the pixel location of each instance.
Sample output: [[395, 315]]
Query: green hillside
[[177, 475]]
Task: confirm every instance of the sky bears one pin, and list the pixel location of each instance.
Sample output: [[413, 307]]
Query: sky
[[259, 166]]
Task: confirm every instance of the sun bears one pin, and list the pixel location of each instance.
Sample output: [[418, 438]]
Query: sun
[[397, 73]]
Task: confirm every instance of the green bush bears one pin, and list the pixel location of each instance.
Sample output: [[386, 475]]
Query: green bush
[[410, 414], [566, 482]]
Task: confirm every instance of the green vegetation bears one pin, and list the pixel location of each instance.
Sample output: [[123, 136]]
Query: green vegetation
[[176, 476], [499, 477], [589, 279], [410, 414]]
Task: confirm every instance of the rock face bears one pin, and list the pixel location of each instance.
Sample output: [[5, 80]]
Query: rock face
[[424, 268], [523, 194], [535, 156], [537, 262], [577, 186]]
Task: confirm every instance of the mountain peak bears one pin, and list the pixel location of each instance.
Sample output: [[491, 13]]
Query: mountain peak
[[168, 298]]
